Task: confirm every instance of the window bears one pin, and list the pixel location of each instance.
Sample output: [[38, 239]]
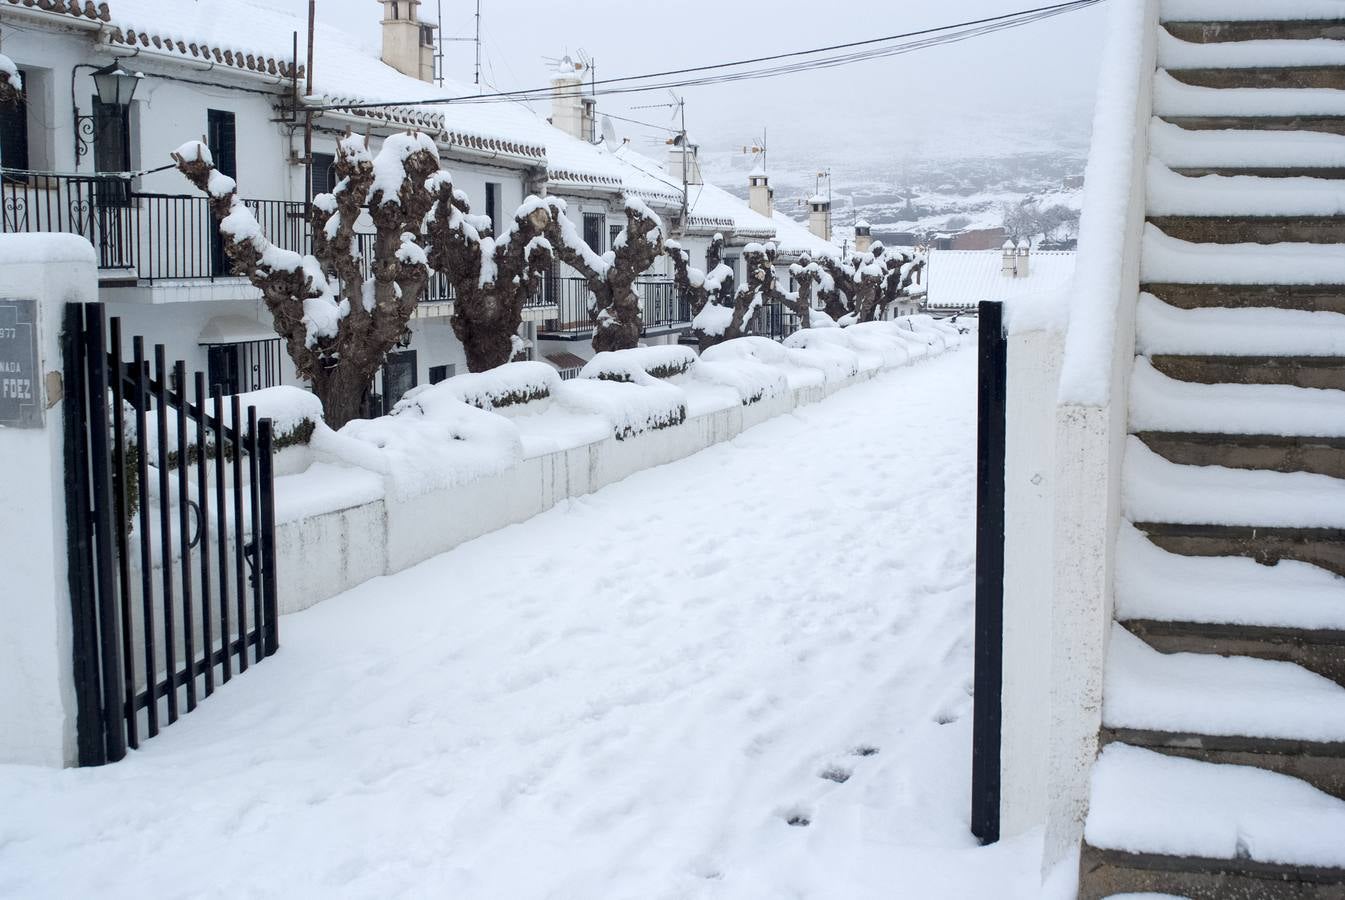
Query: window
[[324, 173], [613, 231], [14, 131], [442, 373], [493, 205], [593, 228], [222, 139], [426, 36], [246, 366], [396, 14]]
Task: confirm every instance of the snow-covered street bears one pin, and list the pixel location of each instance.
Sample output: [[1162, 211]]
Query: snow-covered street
[[630, 696]]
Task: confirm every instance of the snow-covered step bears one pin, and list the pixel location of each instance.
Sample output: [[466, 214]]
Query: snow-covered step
[[1154, 490], [1168, 259], [1157, 586], [1252, 228], [1158, 823], [1272, 154], [1322, 456], [1199, 693], [1172, 98], [1269, 714], [1161, 403], [1163, 328], [1176, 54], [1241, 196]]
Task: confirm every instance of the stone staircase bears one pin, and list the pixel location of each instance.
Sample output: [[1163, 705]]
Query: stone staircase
[[1222, 773]]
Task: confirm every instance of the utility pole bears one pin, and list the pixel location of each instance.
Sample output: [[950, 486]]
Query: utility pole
[[308, 113], [682, 135]]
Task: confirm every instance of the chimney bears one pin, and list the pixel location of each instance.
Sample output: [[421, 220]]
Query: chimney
[[863, 236], [819, 216], [759, 194], [571, 111], [1024, 251], [1008, 266], [408, 43], [678, 154]]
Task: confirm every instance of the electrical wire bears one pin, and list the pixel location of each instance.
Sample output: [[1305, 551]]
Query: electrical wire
[[877, 48]]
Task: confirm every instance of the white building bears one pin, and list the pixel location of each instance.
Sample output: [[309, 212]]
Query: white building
[[236, 74], [960, 279]]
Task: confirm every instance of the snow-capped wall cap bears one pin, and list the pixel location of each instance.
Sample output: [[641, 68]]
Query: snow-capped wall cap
[[1023, 244], [566, 67], [1008, 245], [863, 223], [759, 170], [817, 199]]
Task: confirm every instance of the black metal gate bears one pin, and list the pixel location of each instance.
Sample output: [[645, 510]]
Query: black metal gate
[[171, 530]]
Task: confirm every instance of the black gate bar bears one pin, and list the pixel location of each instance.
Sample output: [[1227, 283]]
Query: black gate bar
[[989, 630]]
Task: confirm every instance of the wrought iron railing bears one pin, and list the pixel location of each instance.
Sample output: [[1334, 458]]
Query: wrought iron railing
[[663, 305]]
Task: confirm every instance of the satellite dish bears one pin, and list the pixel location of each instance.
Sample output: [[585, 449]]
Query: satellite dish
[[609, 133]]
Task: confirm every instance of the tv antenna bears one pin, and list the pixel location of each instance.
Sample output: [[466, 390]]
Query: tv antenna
[[439, 56], [758, 148]]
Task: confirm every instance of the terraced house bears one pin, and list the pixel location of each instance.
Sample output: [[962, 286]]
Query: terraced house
[[111, 88]]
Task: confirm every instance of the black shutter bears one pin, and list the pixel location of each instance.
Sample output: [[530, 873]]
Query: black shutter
[[221, 137], [593, 223], [14, 131], [324, 173], [493, 205]]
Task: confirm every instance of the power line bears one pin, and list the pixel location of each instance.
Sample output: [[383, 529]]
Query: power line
[[935, 36]]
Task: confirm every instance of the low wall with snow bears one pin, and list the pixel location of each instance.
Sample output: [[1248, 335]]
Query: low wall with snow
[[454, 462]]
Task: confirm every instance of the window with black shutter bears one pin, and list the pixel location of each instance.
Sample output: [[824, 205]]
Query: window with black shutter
[[14, 131], [613, 231], [324, 173], [222, 139], [593, 229], [493, 204]]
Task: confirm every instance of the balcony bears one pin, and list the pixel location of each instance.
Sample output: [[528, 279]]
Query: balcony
[[665, 310], [144, 239], [140, 238]]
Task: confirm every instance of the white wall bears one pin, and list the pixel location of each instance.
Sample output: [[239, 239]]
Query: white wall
[[1033, 373], [37, 724]]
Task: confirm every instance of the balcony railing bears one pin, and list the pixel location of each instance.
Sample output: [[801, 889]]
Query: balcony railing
[[157, 237], [149, 237], [663, 306]]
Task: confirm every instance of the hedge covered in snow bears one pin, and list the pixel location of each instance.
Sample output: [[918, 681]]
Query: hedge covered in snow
[[639, 364], [511, 384]]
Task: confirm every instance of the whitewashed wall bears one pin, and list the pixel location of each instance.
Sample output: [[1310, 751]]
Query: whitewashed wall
[[37, 720]]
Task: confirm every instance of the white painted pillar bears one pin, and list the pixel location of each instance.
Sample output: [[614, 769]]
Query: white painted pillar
[[37, 697]]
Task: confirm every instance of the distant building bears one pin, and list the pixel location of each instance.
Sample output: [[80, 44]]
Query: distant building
[[960, 279], [977, 239]]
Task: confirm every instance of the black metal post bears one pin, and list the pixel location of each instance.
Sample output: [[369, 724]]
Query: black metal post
[[79, 541], [989, 629], [120, 491]]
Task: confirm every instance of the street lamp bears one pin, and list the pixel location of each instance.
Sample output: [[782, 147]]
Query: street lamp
[[115, 87]]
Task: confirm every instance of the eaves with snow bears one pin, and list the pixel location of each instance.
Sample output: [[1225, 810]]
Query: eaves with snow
[[959, 278]]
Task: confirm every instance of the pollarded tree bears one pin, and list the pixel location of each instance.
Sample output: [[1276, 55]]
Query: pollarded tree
[[11, 83], [339, 326], [615, 307], [720, 313], [864, 285], [808, 278]]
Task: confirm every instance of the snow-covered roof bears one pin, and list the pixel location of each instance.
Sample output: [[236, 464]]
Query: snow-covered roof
[[966, 277], [818, 198], [257, 35], [710, 208], [863, 223], [793, 239]]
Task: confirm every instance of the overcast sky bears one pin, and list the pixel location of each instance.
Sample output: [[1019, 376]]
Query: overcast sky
[[1030, 86]]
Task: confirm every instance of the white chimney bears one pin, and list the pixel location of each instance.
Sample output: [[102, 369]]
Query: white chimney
[[819, 216], [1008, 261], [678, 156], [571, 111], [759, 194], [408, 43], [863, 236], [1024, 251]]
